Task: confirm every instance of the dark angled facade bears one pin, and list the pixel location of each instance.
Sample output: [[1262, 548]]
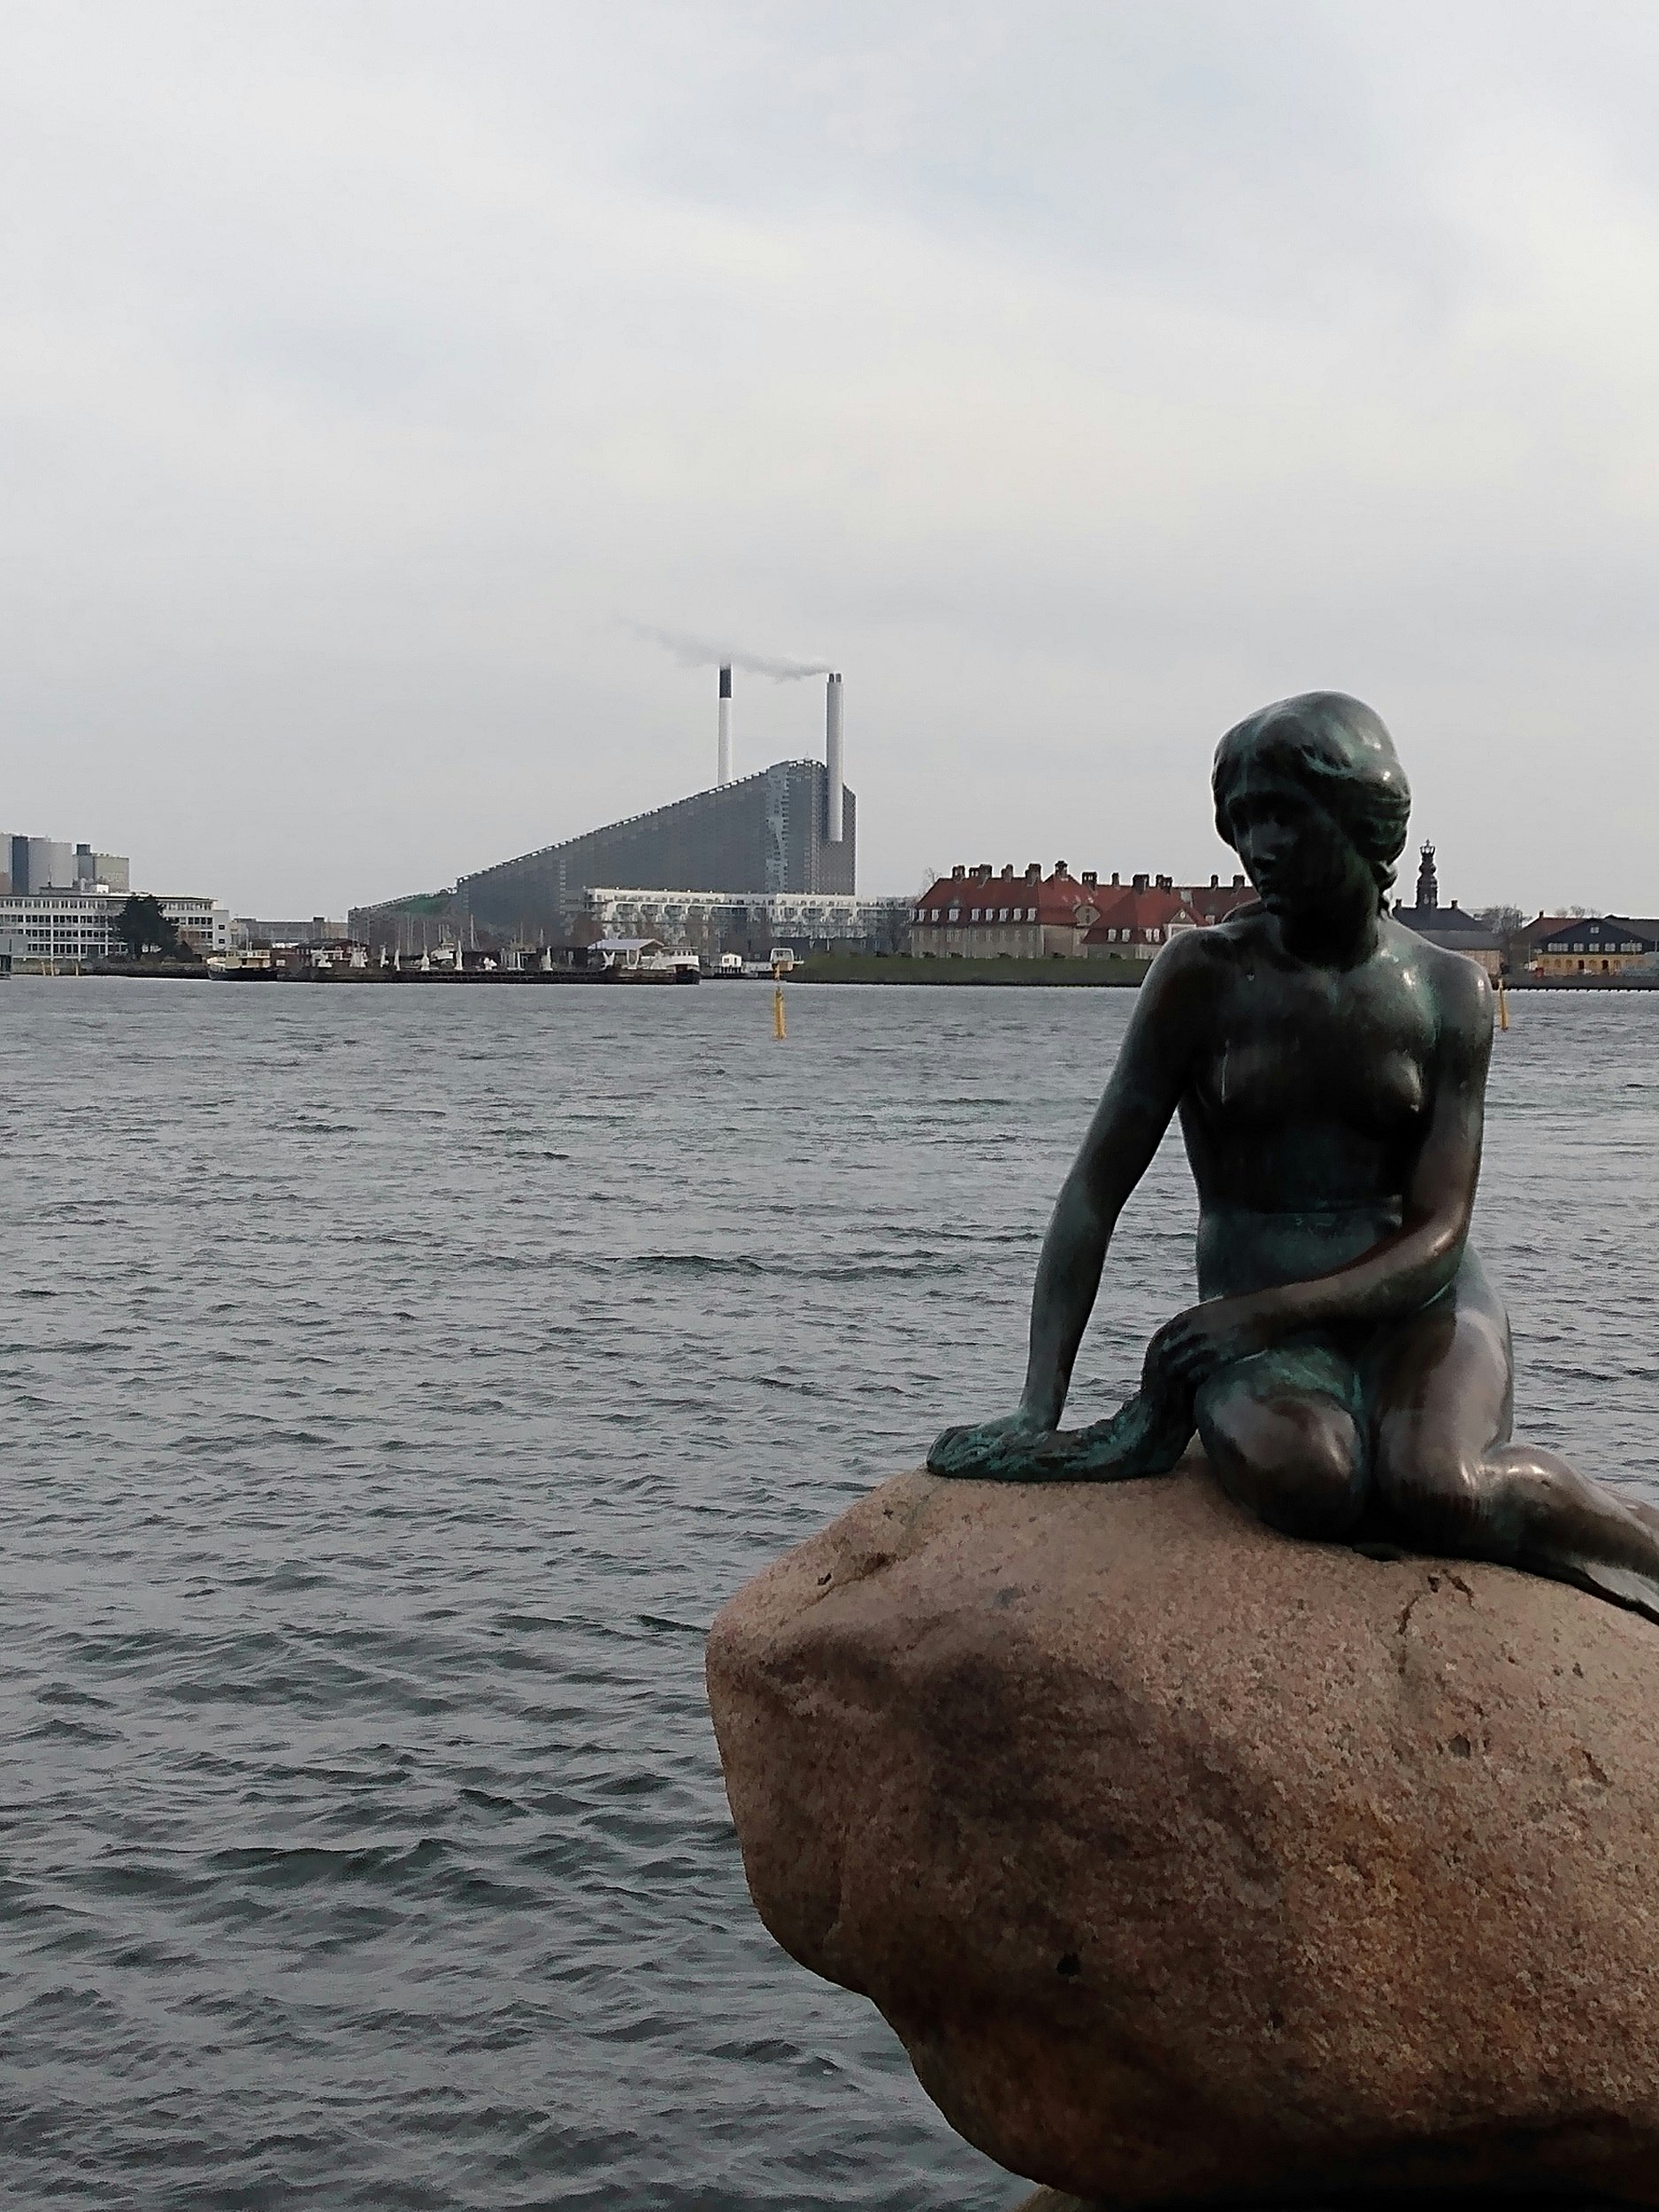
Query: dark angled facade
[[765, 832]]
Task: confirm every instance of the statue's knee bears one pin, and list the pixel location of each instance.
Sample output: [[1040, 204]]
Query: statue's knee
[[1297, 1465], [1440, 1497], [1319, 1486]]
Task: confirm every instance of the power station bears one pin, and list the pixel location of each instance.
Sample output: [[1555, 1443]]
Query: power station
[[789, 828]]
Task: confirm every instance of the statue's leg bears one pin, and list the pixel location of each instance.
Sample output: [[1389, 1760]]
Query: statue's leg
[[1284, 1432], [1450, 1479]]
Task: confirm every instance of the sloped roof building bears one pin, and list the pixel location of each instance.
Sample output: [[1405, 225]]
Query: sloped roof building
[[1448, 926], [767, 833], [978, 913]]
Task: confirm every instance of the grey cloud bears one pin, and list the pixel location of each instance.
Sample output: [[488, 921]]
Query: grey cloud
[[1083, 376]]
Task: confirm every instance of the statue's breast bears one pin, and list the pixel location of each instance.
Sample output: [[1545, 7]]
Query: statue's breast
[[1305, 1066]]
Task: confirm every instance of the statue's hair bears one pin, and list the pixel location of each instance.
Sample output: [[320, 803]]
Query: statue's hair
[[1338, 751]]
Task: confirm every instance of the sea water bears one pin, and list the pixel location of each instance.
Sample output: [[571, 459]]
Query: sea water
[[395, 1383]]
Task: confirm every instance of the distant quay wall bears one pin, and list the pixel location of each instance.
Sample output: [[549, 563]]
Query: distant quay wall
[[1006, 974], [1581, 982], [1084, 974]]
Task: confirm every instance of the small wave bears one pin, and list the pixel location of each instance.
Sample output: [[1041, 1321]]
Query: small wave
[[694, 1263], [300, 1864], [56, 1729]]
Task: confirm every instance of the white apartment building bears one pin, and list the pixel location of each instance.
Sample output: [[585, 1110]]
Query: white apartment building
[[711, 922], [63, 929]]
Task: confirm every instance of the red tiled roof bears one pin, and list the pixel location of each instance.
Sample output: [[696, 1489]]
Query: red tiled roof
[[1063, 895], [1546, 924], [1057, 898], [1138, 912], [1215, 902], [1061, 900], [966, 893]]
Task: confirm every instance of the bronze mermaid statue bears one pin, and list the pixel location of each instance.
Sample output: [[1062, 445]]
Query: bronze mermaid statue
[[1348, 1368]]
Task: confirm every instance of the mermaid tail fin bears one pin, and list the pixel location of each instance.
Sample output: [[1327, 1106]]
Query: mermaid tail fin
[[1143, 1438]]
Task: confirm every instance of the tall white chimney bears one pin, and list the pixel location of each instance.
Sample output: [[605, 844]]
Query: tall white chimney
[[724, 775], [833, 756]]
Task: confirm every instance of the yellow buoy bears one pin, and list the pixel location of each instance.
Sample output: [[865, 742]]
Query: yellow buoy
[[778, 1026], [1503, 1005]]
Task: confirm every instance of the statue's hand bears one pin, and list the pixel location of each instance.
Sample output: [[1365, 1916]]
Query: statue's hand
[[1187, 1350], [1003, 1450]]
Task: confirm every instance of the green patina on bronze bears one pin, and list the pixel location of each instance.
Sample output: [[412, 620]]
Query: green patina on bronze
[[1348, 1368]]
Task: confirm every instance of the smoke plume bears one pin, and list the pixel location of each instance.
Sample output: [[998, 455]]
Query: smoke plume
[[701, 652]]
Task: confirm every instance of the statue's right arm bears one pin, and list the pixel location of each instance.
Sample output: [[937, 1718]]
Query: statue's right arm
[[1145, 1088]]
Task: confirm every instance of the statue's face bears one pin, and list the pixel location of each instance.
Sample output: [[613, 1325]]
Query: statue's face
[[1300, 858]]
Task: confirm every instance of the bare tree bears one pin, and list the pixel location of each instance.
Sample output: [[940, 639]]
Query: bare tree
[[1503, 921]]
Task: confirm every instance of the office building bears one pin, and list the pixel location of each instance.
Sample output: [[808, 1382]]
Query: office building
[[70, 928]]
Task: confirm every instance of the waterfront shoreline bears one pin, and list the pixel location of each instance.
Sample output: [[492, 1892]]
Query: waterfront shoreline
[[997, 974], [1051, 975]]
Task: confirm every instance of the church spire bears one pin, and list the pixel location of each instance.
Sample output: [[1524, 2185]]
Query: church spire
[[1428, 882]]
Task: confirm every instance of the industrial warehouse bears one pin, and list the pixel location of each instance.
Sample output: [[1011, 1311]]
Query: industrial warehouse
[[755, 861]]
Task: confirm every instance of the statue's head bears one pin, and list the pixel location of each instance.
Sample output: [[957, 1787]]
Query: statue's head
[[1308, 792]]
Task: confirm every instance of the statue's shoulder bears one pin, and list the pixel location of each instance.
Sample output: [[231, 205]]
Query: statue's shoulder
[[1197, 967], [1218, 944], [1459, 986]]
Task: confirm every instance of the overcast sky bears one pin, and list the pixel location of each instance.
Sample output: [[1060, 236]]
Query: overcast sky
[[1075, 378]]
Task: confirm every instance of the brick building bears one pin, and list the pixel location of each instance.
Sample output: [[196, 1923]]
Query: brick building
[[976, 914], [979, 913], [1139, 920]]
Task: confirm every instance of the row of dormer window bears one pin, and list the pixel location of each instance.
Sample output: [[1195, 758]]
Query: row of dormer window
[[986, 914]]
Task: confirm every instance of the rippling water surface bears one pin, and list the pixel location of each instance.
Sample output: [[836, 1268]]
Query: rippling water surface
[[395, 1383]]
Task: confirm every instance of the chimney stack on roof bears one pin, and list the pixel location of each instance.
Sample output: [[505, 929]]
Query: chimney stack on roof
[[723, 757]]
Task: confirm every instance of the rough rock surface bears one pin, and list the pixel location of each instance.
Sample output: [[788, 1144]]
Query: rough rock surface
[[1193, 1864]]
